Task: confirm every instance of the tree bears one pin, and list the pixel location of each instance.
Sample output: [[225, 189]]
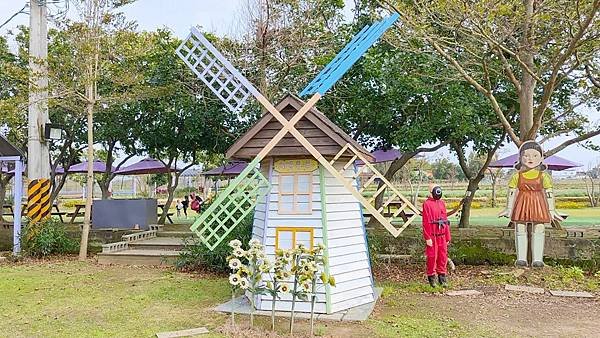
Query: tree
[[474, 169], [90, 73], [443, 169], [13, 119], [187, 121], [284, 43], [535, 46]]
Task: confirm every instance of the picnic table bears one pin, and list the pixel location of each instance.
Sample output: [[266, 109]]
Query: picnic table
[[77, 212], [169, 214], [24, 210], [387, 211]]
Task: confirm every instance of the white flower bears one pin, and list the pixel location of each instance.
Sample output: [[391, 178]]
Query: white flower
[[306, 286], [234, 279], [254, 242], [235, 243], [244, 283], [235, 264], [284, 288], [239, 252]]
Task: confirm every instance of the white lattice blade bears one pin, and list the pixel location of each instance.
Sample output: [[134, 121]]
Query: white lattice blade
[[214, 70]]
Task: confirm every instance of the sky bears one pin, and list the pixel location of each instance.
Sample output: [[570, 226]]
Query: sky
[[221, 17]]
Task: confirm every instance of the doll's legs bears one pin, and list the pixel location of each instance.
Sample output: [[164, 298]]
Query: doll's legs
[[521, 244], [537, 245]]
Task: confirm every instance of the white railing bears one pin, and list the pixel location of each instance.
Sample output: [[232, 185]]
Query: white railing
[[138, 236], [157, 227], [114, 247]]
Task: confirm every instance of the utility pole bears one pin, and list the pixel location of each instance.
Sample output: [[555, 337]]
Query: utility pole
[[38, 158]]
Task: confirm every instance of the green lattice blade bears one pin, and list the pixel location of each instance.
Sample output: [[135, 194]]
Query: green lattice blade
[[231, 206]]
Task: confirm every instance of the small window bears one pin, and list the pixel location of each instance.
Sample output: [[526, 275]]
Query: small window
[[289, 238], [295, 193]]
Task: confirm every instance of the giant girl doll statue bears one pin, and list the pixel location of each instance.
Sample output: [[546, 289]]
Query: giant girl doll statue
[[530, 203]]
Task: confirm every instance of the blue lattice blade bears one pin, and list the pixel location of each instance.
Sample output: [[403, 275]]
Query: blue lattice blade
[[334, 61], [360, 43], [355, 55], [212, 68]]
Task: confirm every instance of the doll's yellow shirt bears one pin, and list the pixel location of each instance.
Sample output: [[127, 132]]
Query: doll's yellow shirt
[[530, 175]]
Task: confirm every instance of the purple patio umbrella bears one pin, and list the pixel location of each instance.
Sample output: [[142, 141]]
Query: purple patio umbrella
[[553, 162], [97, 167], [230, 169], [145, 166], [382, 155]]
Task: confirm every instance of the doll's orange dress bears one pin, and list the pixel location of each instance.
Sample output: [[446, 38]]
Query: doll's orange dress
[[530, 204]]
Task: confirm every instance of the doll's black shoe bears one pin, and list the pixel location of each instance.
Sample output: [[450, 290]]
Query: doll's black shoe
[[431, 280], [442, 280], [521, 263], [538, 264]]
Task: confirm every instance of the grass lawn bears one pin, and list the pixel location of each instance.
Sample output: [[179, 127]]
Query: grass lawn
[[64, 297], [485, 217], [59, 298]]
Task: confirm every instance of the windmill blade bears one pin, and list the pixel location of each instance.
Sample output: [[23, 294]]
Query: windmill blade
[[349, 182], [212, 68], [231, 206], [348, 56]]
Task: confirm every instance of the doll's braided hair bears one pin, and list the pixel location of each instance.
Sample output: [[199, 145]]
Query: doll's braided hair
[[530, 145]]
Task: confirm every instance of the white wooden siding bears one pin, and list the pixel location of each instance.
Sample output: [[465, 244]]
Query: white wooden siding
[[348, 258], [348, 255], [276, 220]]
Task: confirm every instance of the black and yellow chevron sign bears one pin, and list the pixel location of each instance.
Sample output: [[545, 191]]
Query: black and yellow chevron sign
[[38, 200]]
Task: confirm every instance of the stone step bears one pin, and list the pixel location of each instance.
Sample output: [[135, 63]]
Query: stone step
[[159, 243], [176, 227], [139, 257], [180, 234]]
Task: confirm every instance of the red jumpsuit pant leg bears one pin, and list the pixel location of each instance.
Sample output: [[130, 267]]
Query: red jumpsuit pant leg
[[430, 254], [442, 255]]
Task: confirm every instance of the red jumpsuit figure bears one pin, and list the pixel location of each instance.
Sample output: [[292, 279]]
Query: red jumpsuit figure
[[436, 233]]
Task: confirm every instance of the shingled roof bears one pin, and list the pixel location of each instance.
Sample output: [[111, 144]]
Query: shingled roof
[[7, 149], [320, 131]]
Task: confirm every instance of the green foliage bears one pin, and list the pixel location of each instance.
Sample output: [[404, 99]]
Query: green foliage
[[195, 255], [474, 253], [572, 273], [46, 238], [70, 203], [571, 204]]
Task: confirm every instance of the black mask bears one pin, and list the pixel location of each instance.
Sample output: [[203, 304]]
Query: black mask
[[436, 192]]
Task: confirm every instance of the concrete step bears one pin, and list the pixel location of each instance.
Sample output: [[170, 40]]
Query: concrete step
[[176, 227], [159, 243], [180, 234], [139, 257]]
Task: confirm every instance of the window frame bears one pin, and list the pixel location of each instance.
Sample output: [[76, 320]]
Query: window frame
[[295, 194], [294, 230]]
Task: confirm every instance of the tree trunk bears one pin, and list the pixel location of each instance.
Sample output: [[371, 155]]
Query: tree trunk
[[494, 194], [87, 219], [105, 188], [528, 83], [465, 213]]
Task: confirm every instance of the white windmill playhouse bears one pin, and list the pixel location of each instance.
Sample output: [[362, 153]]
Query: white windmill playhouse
[[302, 181]]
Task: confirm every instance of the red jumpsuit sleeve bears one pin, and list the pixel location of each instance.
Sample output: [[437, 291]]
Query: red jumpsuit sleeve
[[426, 215], [445, 216]]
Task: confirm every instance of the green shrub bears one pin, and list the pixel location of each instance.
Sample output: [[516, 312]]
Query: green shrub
[[474, 253], [48, 237], [196, 256], [571, 205], [72, 202], [572, 273]]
